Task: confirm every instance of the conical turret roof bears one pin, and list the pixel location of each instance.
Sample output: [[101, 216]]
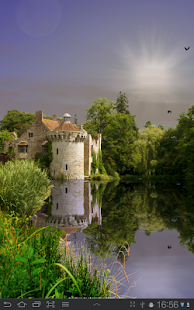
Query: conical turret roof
[[67, 126]]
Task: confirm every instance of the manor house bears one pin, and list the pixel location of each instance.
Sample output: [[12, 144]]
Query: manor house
[[72, 146]]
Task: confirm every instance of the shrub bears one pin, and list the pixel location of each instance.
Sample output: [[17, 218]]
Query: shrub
[[4, 157], [23, 187], [111, 172], [43, 159], [94, 163]]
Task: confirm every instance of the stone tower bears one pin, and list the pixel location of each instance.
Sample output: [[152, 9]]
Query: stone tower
[[68, 150]]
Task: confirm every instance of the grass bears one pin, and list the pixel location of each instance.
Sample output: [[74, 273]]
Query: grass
[[34, 264], [99, 177]]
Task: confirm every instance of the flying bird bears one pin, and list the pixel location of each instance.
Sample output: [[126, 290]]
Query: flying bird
[[169, 111], [169, 246], [187, 48]]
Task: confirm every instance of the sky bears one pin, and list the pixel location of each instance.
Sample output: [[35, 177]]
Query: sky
[[60, 56]]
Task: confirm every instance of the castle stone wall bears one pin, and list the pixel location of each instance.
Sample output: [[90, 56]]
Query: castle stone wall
[[96, 142], [87, 155], [68, 154], [34, 143]]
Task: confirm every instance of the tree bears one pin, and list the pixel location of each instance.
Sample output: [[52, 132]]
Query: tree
[[148, 144], [57, 118], [166, 152], [75, 120], [16, 121], [118, 142], [121, 105], [184, 159], [148, 123], [176, 148], [4, 135], [21, 128], [96, 116], [47, 117], [160, 126]]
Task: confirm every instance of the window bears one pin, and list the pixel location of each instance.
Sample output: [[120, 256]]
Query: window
[[44, 148], [22, 149], [30, 134], [66, 167], [57, 151], [66, 189], [54, 172], [57, 206], [91, 149]]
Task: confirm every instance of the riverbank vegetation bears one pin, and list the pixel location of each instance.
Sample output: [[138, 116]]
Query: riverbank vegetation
[[149, 153], [32, 265]]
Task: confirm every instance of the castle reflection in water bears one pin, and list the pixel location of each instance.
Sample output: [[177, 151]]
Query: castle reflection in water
[[72, 208]]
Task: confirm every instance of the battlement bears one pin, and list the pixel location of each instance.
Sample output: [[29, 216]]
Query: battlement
[[66, 136]]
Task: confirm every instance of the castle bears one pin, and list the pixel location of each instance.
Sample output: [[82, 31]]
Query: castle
[[72, 147]]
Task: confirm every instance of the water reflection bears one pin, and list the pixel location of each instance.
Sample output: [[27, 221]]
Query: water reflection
[[153, 220], [126, 208], [72, 208]]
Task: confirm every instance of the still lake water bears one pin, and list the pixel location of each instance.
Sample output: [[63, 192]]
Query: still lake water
[[156, 220]]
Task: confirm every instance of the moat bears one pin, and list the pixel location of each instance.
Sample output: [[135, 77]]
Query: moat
[[153, 220]]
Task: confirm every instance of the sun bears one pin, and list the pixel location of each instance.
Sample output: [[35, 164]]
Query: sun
[[148, 61]]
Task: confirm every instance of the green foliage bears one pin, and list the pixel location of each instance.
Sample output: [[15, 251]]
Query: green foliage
[[17, 121], [62, 177], [42, 159], [185, 148], [121, 105], [97, 163], [146, 147], [148, 123], [10, 150], [5, 135], [118, 142], [47, 117], [100, 164], [94, 162], [30, 261], [23, 187], [111, 172], [96, 116], [166, 153], [75, 119]]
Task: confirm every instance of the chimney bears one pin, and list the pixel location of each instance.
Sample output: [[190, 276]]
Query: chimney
[[39, 116]]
